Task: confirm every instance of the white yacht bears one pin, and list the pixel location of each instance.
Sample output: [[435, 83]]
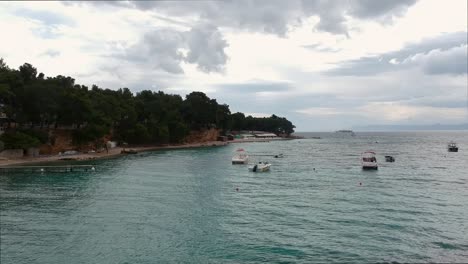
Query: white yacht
[[368, 161], [240, 157]]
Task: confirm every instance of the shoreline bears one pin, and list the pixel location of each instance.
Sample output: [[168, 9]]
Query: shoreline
[[114, 152]]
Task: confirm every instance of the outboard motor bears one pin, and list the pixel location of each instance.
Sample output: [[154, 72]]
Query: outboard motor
[[254, 168]]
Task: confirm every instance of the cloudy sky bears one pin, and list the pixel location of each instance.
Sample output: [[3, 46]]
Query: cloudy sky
[[325, 65]]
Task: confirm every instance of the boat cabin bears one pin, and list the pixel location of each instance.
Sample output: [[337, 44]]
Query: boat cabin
[[369, 161], [452, 147]]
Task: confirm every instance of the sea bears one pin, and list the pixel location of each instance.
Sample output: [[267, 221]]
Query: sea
[[316, 205]]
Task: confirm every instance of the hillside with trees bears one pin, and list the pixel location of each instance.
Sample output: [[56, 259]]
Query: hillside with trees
[[31, 104]]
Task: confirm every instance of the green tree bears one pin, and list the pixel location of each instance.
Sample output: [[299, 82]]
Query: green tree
[[18, 140], [28, 72], [38, 102]]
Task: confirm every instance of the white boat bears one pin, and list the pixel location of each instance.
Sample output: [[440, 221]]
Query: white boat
[[260, 167], [345, 132], [240, 157], [452, 147], [368, 161]]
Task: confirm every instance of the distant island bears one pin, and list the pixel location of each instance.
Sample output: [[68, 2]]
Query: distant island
[[412, 127], [55, 114]]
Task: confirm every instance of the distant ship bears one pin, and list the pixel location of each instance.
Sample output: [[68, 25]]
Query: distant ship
[[345, 132]]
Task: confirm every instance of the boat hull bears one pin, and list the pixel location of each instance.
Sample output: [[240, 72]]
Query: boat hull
[[261, 168], [239, 161], [368, 161]]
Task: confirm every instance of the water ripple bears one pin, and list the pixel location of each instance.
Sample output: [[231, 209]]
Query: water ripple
[[193, 206]]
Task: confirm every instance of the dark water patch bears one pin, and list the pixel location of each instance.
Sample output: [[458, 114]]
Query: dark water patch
[[393, 211], [445, 245]]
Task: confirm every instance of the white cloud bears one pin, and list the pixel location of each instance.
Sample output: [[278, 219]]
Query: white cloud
[[389, 112], [90, 41], [395, 112]]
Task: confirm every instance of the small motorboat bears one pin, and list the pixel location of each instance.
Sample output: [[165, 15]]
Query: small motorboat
[[452, 147], [128, 151], [389, 159], [368, 161], [260, 167], [240, 157]]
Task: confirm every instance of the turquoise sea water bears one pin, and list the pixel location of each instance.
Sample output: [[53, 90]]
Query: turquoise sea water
[[182, 206]]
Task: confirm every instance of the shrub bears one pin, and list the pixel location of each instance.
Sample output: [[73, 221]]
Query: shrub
[[137, 135], [89, 133], [19, 140], [41, 135]]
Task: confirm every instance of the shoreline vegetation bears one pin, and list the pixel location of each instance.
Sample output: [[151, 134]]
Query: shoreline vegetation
[[117, 152], [42, 117], [114, 152]]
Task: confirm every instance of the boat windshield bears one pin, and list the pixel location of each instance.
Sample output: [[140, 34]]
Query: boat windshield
[[371, 159]]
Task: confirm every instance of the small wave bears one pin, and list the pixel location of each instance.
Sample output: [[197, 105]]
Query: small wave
[[449, 246]]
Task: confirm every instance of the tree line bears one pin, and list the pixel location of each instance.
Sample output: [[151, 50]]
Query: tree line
[[33, 101]]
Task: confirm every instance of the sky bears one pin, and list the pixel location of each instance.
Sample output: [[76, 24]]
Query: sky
[[324, 65]]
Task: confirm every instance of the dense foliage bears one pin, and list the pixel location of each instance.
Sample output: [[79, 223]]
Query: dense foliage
[[18, 140], [34, 101]]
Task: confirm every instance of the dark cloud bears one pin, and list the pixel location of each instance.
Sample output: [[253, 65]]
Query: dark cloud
[[266, 16], [166, 48], [384, 9], [158, 49], [276, 16], [452, 61], [206, 48], [444, 54], [163, 49]]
